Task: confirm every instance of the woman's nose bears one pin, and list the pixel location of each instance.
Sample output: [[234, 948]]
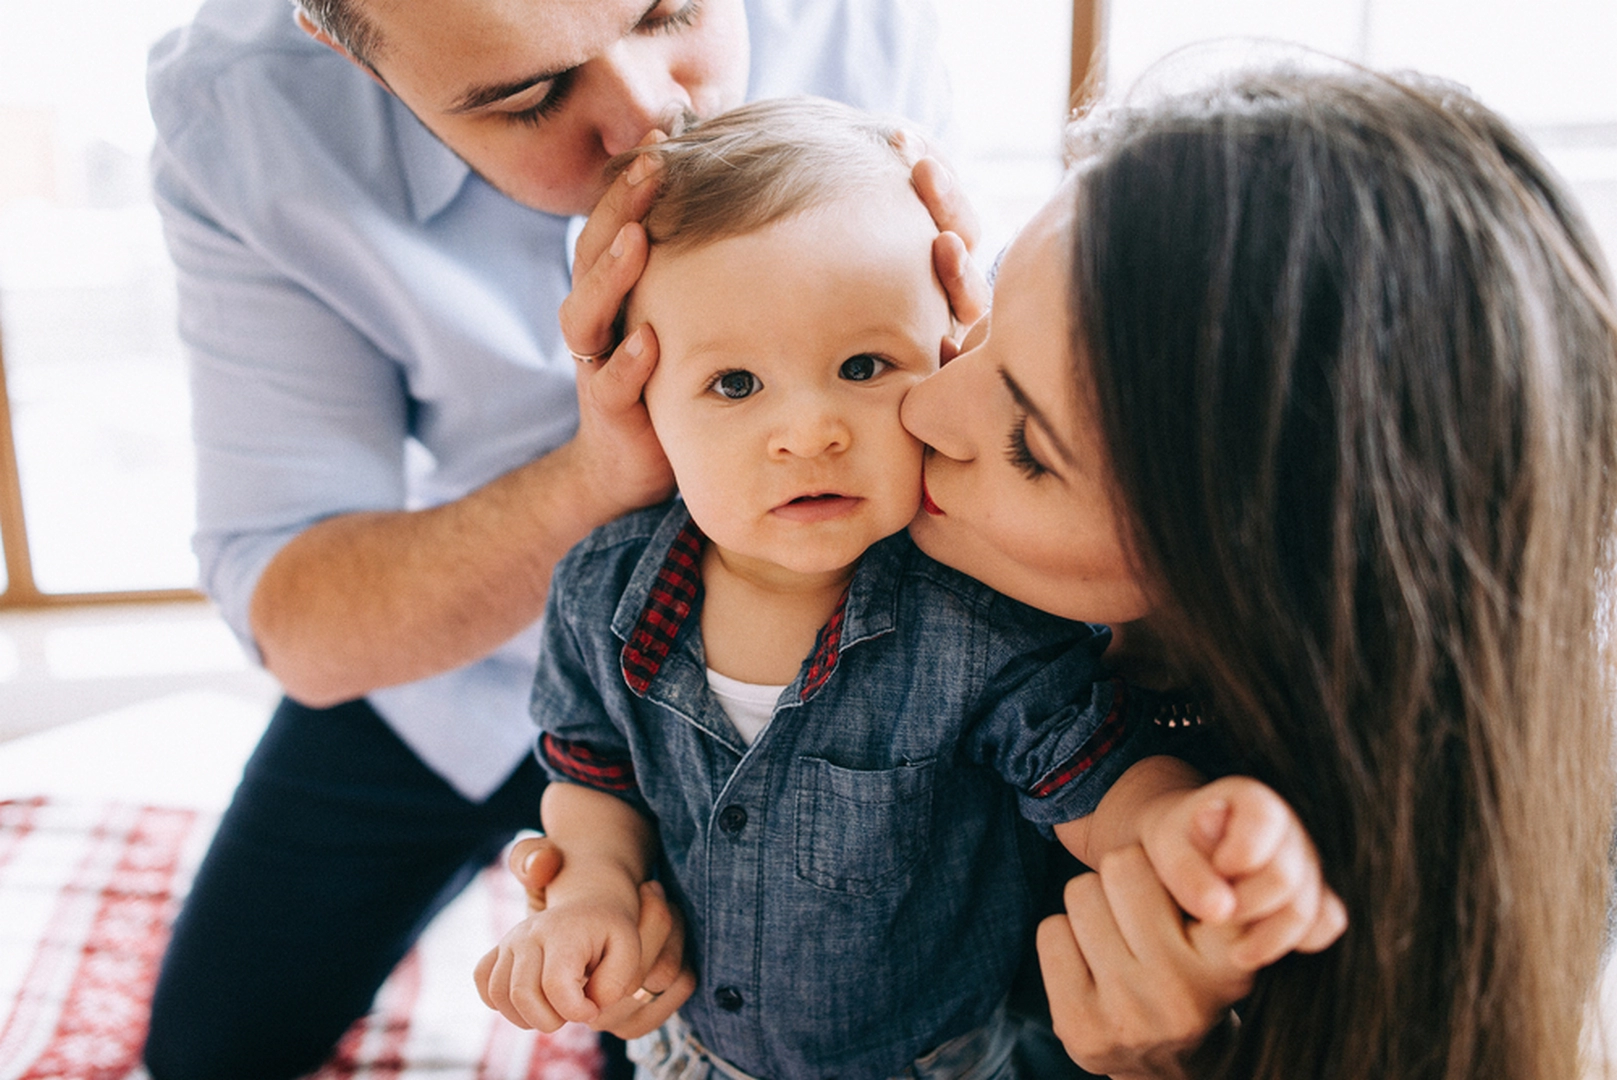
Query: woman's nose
[[939, 411], [635, 92]]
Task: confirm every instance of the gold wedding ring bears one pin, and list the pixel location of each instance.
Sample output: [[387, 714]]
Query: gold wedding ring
[[644, 996]]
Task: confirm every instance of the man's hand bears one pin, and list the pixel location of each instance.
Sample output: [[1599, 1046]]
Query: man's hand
[[615, 447], [609, 256]]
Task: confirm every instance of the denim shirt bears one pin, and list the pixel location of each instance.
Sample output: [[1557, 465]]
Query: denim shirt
[[858, 884]]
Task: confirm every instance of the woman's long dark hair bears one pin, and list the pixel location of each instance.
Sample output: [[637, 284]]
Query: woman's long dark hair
[[1354, 357]]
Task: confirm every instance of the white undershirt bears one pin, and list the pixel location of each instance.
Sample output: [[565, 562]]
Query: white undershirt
[[748, 705]]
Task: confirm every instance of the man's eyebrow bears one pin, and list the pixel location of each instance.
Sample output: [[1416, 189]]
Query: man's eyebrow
[[480, 97], [1037, 415]]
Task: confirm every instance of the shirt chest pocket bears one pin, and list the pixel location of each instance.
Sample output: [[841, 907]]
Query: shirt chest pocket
[[860, 831]]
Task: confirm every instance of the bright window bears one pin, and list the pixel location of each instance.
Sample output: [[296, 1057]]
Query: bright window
[[1546, 66]]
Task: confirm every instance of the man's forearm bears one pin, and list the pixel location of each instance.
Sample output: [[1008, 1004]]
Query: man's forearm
[[367, 600]]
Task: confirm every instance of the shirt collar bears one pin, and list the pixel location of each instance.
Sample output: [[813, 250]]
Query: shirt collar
[[666, 583], [432, 172]]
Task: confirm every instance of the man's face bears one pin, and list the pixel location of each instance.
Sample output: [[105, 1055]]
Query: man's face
[[783, 355], [535, 95]]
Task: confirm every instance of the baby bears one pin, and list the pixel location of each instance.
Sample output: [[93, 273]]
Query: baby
[[828, 747]]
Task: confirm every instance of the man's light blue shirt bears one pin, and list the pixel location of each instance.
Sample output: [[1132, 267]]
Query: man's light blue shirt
[[373, 327]]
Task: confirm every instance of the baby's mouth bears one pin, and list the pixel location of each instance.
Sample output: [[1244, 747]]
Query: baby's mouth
[[819, 506]]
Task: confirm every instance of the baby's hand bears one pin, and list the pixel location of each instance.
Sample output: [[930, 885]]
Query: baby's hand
[[563, 963], [1235, 857]]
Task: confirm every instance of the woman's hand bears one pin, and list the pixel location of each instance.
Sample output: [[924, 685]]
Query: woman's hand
[[1135, 989], [666, 983]]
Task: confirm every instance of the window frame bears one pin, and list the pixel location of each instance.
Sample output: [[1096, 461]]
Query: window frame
[[22, 591]]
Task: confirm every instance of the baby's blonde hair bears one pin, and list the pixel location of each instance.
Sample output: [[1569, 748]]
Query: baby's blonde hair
[[754, 165]]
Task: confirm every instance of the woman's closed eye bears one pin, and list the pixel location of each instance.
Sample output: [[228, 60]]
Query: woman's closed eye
[[736, 384], [863, 367], [1017, 452]]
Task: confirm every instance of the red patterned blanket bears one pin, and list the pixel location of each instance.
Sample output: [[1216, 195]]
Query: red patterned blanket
[[87, 893]]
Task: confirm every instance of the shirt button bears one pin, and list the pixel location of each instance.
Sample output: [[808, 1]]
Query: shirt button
[[732, 819], [729, 998]]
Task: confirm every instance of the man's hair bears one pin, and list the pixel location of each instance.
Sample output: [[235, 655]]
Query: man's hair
[[347, 25], [1353, 356], [754, 165]]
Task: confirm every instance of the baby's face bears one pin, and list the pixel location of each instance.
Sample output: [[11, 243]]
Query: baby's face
[[784, 355]]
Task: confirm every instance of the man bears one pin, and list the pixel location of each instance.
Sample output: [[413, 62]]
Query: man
[[370, 205]]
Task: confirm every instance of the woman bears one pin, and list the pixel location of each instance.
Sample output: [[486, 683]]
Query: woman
[[1315, 375]]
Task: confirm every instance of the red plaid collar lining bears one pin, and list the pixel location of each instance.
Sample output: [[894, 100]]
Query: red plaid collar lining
[[669, 603]]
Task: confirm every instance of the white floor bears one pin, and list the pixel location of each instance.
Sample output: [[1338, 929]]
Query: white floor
[[154, 704]]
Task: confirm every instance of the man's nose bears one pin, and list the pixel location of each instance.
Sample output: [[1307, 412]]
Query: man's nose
[[635, 92]]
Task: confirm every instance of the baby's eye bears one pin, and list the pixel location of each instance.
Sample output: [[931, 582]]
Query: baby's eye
[[862, 367], [736, 385]]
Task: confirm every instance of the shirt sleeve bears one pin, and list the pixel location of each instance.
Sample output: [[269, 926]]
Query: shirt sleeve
[[1060, 729], [578, 742], [880, 56], [295, 415]]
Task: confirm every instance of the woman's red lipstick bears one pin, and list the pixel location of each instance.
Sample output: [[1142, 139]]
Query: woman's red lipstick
[[926, 501]]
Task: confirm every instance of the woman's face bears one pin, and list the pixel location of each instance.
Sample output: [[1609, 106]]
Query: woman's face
[[1017, 492]]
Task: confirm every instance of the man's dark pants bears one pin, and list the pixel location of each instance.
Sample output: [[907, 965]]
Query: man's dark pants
[[338, 849]]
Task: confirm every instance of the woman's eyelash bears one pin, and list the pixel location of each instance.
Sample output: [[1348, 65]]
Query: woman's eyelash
[[1017, 452], [680, 19], [560, 88]]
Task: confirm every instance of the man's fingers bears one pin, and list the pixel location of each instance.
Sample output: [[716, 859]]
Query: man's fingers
[[935, 183], [534, 862], [662, 939], [632, 1018], [626, 199], [962, 282], [589, 313], [617, 383]]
